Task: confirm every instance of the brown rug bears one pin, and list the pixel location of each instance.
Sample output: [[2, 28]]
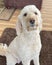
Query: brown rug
[[46, 52], [6, 14]]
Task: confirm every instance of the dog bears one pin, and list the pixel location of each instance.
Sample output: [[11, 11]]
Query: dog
[[26, 46]]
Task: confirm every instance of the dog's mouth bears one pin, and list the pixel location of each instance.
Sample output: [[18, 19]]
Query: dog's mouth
[[32, 27]]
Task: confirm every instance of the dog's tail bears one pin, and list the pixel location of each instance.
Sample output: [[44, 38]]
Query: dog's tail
[[3, 49]]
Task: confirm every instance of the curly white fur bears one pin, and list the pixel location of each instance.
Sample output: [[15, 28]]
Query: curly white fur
[[27, 45]]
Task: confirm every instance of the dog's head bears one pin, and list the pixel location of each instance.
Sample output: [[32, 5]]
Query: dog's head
[[29, 19]]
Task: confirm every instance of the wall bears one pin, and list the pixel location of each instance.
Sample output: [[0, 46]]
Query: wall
[[47, 14]]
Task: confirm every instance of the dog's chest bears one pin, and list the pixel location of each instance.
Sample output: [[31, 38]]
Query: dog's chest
[[25, 45], [30, 42]]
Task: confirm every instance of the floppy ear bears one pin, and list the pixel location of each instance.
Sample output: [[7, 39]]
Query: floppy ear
[[40, 24], [18, 26], [39, 20]]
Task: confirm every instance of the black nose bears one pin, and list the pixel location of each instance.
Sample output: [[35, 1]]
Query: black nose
[[32, 21]]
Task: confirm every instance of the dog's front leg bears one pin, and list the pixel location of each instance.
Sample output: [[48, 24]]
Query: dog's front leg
[[36, 60], [10, 60], [26, 62]]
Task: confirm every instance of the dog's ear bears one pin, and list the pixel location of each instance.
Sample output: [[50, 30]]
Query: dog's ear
[[18, 26], [39, 20], [40, 24]]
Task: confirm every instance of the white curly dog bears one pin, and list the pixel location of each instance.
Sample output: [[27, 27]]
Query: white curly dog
[[27, 45]]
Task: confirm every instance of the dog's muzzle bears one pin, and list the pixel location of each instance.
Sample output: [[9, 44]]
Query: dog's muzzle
[[33, 25], [32, 22]]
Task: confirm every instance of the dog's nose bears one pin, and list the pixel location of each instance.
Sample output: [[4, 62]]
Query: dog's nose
[[32, 21]]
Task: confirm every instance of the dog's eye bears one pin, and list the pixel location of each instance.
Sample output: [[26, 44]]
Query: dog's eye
[[25, 14], [35, 13]]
